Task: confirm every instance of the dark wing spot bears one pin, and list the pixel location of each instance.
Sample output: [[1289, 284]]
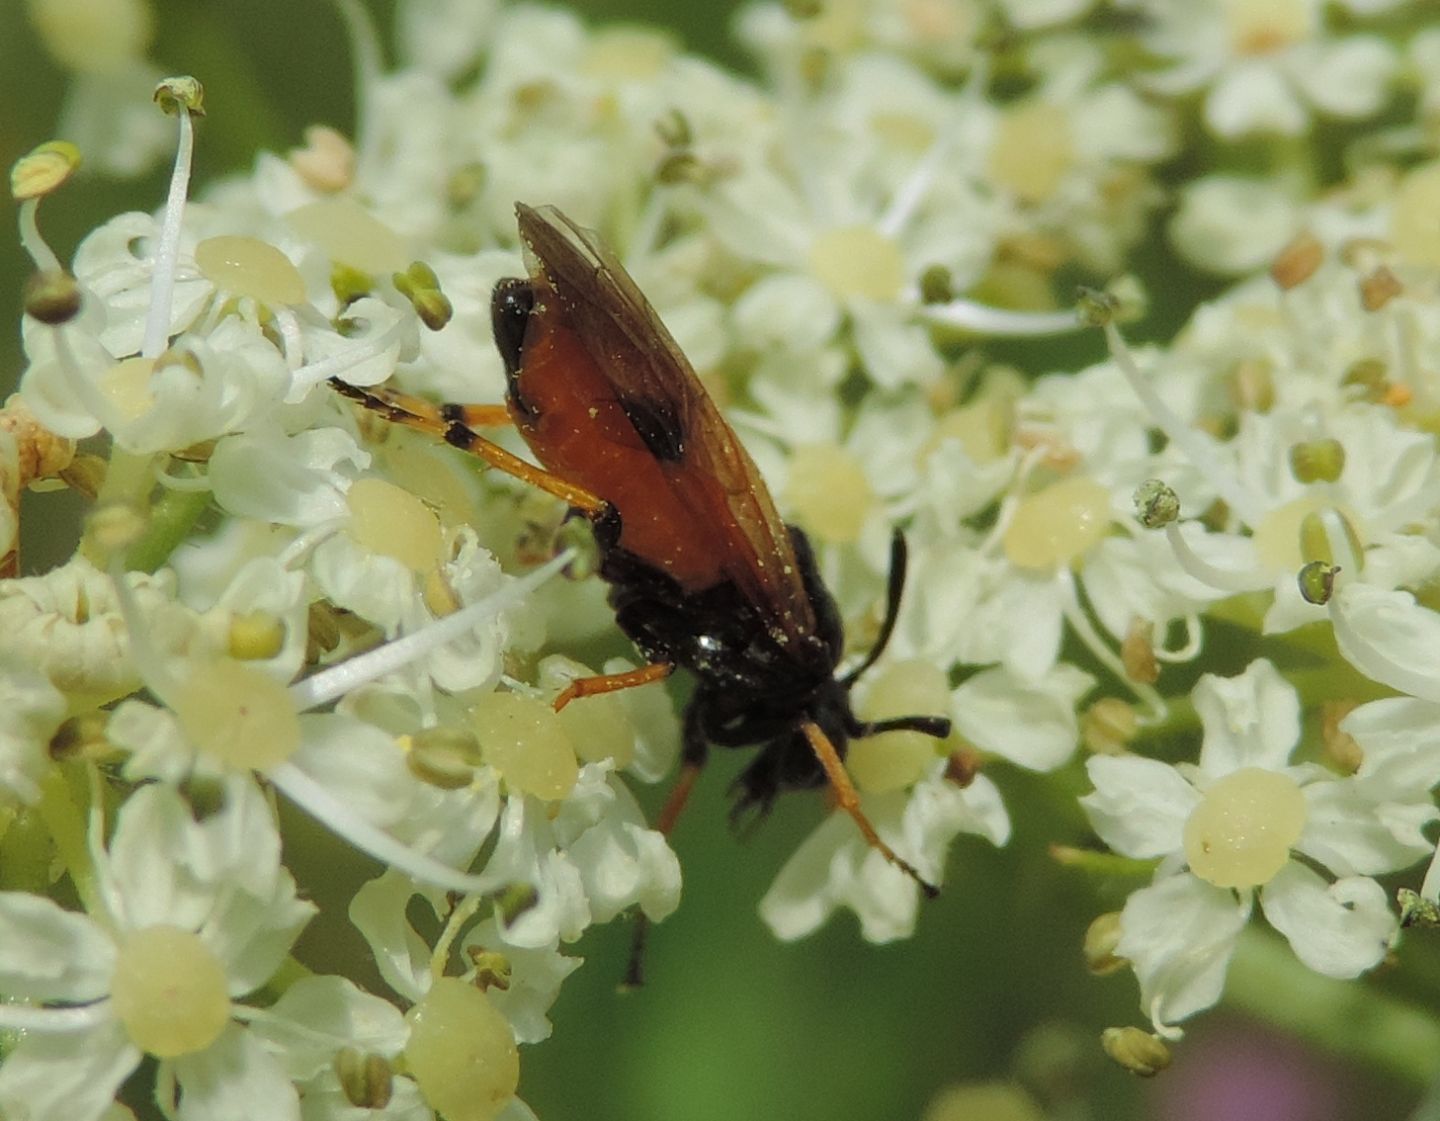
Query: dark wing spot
[[511, 304], [658, 424]]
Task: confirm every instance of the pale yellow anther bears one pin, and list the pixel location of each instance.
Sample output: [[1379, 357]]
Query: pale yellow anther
[[896, 760], [42, 169], [180, 94], [349, 234]]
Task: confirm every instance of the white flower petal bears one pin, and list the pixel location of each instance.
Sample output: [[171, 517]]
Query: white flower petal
[[1340, 929], [319, 1015], [1253, 97], [234, 1079], [1178, 935], [71, 1076], [1029, 723], [535, 979], [1352, 834], [378, 912], [1400, 739], [31, 709], [1252, 720], [1139, 806], [1348, 77], [833, 867], [1388, 637], [50, 954]]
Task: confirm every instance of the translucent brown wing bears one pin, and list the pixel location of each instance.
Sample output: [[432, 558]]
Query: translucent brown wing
[[635, 425]]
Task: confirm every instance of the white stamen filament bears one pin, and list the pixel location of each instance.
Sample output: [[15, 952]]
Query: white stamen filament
[[341, 818], [1080, 624], [162, 276], [73, 1018], [1190, 649], [33, 241], [1430, 889], [333, 683], [95, 402], [1187, 439], [307, 377], [365, 46], [1003, 322], [154, 668], [293, 343], [912, 191], [1226, 580]]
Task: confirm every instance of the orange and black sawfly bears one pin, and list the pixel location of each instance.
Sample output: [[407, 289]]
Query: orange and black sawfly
[[703, 573]]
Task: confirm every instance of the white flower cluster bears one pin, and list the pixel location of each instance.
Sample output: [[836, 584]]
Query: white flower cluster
[[279, 596]]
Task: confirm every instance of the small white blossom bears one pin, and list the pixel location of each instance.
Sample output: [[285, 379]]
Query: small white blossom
[[1235, 826]]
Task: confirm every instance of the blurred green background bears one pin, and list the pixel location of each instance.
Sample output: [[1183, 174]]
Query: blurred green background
[[732, 1025]]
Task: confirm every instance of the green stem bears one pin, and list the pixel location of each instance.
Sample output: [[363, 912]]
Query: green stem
[[1346, 1018], [66, 823], [171, 519]]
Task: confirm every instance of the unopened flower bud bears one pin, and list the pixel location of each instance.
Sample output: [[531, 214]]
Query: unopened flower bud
[[1317, 461], [1102, 936], [1108, 726], [1137, 1051], [1298, 261]]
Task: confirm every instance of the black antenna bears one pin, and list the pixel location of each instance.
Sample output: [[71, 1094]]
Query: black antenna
[[898, 555]]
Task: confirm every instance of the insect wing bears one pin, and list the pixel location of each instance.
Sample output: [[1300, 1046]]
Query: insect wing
[[702, 463]]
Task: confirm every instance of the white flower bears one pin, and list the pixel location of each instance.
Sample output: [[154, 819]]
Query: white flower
[[1264, 64], [189, 917], [31, 709], [834, 867], [1245, 821]]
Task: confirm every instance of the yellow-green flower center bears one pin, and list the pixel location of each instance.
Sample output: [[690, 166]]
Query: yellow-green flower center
[[247, 266], [1056, 525], [169, 991], [1242, 831], [237, 715], [858, 262], [523, 738], [392, 522], [828, 493], [461, 1052]]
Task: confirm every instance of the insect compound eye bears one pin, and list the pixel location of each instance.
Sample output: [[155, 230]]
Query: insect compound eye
[[511, 303]]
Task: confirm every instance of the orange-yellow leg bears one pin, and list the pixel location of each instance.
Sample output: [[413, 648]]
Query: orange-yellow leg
[[441, 421], [612, 682], [849, 801]]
